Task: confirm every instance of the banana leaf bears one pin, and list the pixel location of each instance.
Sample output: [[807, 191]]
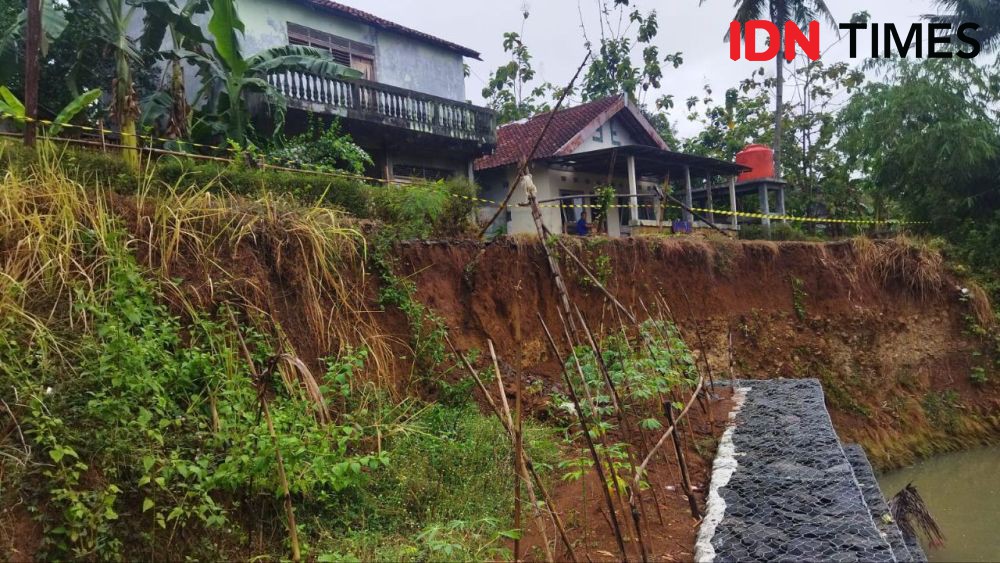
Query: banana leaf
[[78, 104]]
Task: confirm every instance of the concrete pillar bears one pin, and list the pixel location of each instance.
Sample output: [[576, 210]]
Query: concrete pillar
[[765, 206], [781, 203], [709, 204], [633, 191], [687, 194], [733, 219], [472, 171]]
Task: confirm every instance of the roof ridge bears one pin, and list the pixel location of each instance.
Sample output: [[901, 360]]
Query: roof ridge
[[372, 19], [566, 123]]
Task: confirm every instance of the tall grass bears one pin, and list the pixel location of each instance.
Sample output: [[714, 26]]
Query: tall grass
[[206, 246]]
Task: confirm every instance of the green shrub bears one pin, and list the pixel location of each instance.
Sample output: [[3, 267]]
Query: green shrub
[[321, 147], [446, 493], [350, 195], [441, 208], [779, 231]]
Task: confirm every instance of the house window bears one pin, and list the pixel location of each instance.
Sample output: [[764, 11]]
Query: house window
[[359, 56], [406, 173]]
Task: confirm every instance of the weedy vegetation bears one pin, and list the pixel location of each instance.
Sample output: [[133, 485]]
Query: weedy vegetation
[[151, 395]]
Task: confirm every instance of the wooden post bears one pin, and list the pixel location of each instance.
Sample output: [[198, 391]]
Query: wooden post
[[633, 192], [687, 194], [734, 221], [529, 466], [668, 411], [32, 44], [512, 431], [634, 495], [709, 204], [293, 530], [518, 465]]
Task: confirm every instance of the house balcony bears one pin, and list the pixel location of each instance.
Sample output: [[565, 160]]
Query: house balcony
[[365, 106]]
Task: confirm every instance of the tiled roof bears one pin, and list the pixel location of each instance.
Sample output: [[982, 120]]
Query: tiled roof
[[514, 140], [375, 21]]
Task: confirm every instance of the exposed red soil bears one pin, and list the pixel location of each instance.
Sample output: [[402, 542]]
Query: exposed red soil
[[884, 331], [668, 531]]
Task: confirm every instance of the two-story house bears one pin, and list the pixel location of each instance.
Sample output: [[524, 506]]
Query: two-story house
[[409, 112]]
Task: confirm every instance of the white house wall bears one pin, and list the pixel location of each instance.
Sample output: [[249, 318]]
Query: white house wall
[[399, 60], [551, 183], [612, 133]]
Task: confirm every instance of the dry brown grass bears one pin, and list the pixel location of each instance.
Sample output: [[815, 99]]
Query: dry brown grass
[[982, 309], [900, 263], [263, 256]]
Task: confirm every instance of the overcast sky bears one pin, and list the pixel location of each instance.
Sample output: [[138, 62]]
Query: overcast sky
[[554, 37]]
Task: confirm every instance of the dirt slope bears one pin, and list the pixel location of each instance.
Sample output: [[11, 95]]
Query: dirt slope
[[882, 324]]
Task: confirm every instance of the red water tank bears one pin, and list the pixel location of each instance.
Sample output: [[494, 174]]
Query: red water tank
[[760, 159]]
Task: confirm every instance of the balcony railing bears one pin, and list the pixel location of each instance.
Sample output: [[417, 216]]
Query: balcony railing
[[387, 105]]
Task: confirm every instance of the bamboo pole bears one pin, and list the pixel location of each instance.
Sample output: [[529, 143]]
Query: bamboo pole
[[701, 340], [594, 280], [539, 523], [685, 478], [669, 431], [665, 337], [590, 443], [518, 464], [523, 168], [573, 344], [293, 532], [626, 428], [529, 465]]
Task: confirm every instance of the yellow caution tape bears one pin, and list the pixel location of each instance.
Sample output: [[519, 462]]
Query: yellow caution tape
[[344, 174]]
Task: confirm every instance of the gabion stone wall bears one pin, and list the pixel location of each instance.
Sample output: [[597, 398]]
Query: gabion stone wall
[[793, 495], [878, 507]]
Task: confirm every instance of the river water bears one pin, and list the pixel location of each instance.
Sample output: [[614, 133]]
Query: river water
[[962, 492]]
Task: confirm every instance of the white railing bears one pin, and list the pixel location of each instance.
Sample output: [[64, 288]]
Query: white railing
[[389, 105]]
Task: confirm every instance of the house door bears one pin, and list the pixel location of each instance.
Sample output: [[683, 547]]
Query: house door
[[571, 209]]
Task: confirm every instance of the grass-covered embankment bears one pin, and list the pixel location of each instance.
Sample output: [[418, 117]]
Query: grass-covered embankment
[[132, 421]]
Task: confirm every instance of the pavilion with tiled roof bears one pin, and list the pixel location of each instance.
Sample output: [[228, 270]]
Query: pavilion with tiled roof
[[604, 142]]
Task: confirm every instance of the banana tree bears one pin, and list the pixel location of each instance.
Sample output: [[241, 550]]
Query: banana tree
[[228, 77], [12, 108], [111, 22], [167, 18]]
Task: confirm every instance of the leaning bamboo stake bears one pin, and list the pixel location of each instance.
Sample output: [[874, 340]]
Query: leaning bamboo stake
[[523, 168], [701, 340], [670, 432], [626, 428], [539, 523], [573, 344], [518, 464], [685, 478], [662, 304], [590, 443], [732, 358], [293, 533], [665, 336], [529, 465]]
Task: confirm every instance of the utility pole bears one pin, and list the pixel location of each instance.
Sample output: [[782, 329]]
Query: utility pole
[[31, 70]]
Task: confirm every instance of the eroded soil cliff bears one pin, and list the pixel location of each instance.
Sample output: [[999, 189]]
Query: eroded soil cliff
[[883, 324]]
